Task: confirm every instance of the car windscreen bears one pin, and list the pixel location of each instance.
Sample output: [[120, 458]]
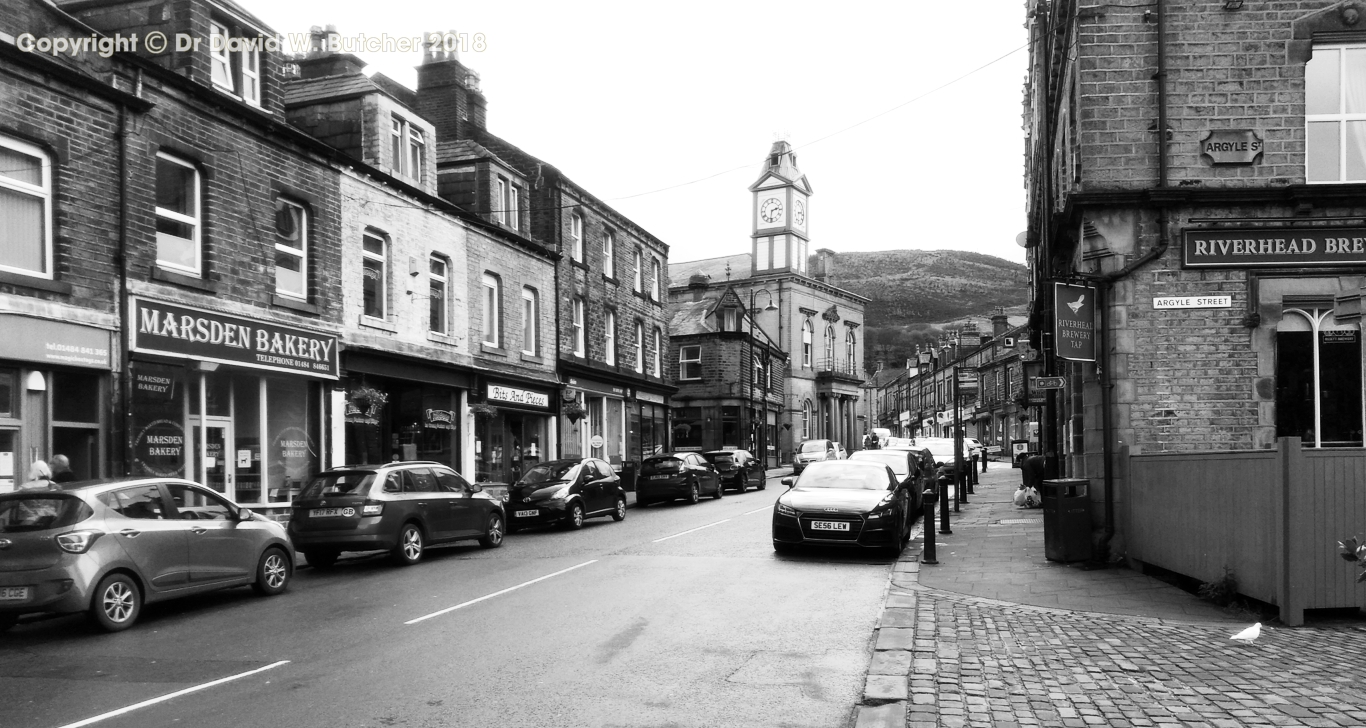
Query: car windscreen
[[897, 461], [815, 446], [661, 466], [719, 458], [333, 485], [40, 511], [845, 477], [555, 472]]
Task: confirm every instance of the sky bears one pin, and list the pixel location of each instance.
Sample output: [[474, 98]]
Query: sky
[[667, 110]]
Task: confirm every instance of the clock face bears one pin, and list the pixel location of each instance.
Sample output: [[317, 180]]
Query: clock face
[[771, 211], [799, 212]]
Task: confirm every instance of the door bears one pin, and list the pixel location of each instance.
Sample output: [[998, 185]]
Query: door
[[158, 546], [216, 471], [220, 547], [603, 491], [466, 517], [441, 505]]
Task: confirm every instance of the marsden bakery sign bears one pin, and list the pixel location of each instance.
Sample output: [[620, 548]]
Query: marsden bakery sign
[[191, 333], [1274, 247]]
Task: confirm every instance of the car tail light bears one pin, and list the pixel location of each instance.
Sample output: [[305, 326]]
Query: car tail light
[[77, 542], [372, 508]]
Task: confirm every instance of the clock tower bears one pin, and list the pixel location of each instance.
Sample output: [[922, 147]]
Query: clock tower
[[782, 209]]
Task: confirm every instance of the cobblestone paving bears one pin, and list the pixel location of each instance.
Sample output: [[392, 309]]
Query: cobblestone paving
[[979, 662]]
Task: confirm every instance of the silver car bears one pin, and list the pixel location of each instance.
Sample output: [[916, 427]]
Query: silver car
[[106, 547]]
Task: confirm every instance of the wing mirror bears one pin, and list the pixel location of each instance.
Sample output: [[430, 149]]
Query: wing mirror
[[476, 488], [788, 481], [243, 514]]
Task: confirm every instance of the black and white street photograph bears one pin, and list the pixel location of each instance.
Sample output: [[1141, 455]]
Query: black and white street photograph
[[616, 364]]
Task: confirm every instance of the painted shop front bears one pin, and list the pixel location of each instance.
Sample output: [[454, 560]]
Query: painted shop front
[[402, 409], [600, 430], [230, 402], [514, 429], [55, 390]]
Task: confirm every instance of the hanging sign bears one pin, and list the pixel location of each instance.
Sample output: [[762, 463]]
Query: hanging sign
[[1285, 247], [1074, 322]]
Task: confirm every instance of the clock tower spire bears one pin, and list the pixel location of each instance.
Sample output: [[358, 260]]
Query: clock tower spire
[[782, 208]]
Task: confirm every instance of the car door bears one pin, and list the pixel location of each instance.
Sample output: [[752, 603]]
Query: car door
[[466, 517], [599, 477], [220, 548], [441, 505], [158, 547], [707, 477]]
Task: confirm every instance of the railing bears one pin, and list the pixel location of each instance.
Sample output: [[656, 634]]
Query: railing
[[840, 366]]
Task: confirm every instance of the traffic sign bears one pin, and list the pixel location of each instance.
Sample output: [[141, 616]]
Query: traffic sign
[[1049, 382]]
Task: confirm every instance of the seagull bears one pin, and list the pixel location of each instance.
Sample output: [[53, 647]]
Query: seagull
[[1248, 635], [1076, 305]]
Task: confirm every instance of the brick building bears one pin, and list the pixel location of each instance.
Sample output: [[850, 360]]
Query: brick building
[[1198, 170], [788, 293], [730, 374]]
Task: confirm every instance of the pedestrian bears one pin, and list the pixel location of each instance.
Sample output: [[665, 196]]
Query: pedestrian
[[39, 477], [61, 469], [33, 511]]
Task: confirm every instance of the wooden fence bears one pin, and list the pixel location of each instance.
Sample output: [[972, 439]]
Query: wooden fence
[[1273, 518]]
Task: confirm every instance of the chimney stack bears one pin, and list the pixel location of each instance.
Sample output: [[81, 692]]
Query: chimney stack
[[321, 60], [697, 284], [1000, 323], [448, 92]]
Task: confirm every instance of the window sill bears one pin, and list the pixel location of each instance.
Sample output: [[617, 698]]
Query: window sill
[[487, 348], [370, 322], [532, 358], [609, 279], [441, 338], [578, 264], [40, 284], [181, 279], [294, 304]]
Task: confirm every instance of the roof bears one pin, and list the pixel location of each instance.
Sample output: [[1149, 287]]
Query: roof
[[690, 317], [464, 150], [886, 376], [715, 267], [308, 90]]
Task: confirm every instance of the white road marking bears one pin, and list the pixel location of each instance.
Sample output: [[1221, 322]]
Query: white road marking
[[171, 696], [462, 605], [756, 510], [684, 533]]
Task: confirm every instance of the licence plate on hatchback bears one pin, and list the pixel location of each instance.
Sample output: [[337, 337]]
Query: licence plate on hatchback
[[660, 477], [829, 526], [526, 514], [324, 512], [13, 593]]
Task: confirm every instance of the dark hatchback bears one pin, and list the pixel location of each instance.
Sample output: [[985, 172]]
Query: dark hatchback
[[400, 507], [738, 469], [671, 476], [565, 492], [843, 503], [909, 466]]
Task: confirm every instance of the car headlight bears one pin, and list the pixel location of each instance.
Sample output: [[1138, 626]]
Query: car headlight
[[786, 510], [884, 509]]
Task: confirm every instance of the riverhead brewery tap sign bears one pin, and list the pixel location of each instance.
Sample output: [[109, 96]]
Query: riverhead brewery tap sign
[[1074, 322], [191, 333], [1274, 247]]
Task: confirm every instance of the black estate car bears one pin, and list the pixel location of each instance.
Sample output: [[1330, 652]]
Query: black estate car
[[738, 468], [565, 492], [671, 476], [399, 507]]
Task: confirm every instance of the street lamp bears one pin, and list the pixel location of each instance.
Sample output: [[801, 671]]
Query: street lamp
[[753, 432]]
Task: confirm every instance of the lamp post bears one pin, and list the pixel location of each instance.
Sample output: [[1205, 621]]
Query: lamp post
[[753, 378]]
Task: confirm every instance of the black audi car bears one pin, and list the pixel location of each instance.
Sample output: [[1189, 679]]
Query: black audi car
[[738, 468], [564, 493], [671, 476], [843, 503]]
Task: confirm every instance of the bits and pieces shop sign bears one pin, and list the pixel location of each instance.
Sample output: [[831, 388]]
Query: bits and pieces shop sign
[[1074, 322], [1274, 247], [190, 333], [503, 394]]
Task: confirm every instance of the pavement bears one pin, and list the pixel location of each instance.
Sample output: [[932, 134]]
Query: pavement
[[997, 635]]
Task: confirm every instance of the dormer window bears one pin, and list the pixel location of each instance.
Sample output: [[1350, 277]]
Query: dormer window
[[730, 319], [236, 72], [407, 148]]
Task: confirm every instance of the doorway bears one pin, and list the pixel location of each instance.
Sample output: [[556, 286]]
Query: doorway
[[211, 464]]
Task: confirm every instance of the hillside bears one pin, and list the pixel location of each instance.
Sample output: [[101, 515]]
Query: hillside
[[915, 292]]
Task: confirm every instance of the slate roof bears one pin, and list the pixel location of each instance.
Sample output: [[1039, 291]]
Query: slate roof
[[464, 150], [679, 273], [305, 91]]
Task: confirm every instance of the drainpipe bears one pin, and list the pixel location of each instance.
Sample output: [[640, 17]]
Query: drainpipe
[[124, 411]]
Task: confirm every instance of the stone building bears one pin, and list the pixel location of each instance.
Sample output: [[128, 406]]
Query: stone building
[[789, 295], [1195, 172]]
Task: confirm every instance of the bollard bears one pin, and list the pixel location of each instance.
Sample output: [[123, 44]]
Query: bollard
[[928, 498], [984, 462], [940, 482], [972, 476]]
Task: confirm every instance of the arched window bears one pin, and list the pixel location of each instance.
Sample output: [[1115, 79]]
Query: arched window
[[851, 349], [808, 334], [806, 420], [829, 346]]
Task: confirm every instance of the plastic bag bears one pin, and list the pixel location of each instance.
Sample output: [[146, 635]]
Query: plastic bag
[[1020, 496], [1032, 499]]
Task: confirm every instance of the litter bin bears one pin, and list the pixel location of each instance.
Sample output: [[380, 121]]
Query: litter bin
[[1066, 519]]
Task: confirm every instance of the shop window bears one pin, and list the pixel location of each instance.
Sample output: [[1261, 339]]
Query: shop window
[[579, 344], [178, 214], [436, 297], [576, 237], [26, 208], [730, 427], [292, 413], [507, 445], [158, 415], [374, 280], [640, 348], [688, 428], [246, 449], [1335, 114], [1318, 379], [609, 337], [291, 249], [237, 72], [531, 316], [609, 252], [638, 284], [690, 362], [76, 405]]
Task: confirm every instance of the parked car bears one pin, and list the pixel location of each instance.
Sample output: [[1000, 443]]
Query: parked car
[[852, 503], [672, 476], [942, 449], [399, 507], [107, 547], [907, 466], [738, 468], [815, 451], [565, 492], [974, 447]]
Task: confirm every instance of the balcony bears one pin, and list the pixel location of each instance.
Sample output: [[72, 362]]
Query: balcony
[[839, 369]]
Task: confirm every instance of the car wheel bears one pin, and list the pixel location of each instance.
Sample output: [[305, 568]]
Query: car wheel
[[720, 490], [272, 573], [117, 603], [694, 493], [573, 520], [410, 546], [321, 559], [493, 538], [7, 621], [619, 514], [784, 548], [763, 481]]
